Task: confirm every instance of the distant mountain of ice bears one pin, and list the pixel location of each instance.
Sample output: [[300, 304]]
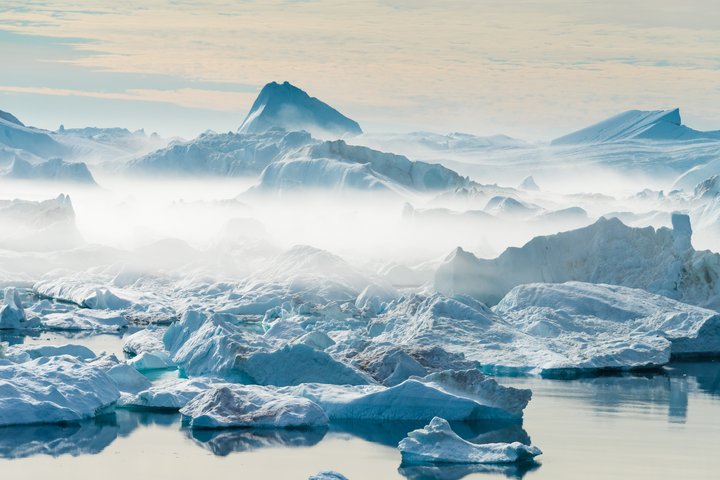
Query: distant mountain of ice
[[15, 135], [223, 154], [659, 125], [286, 106], [339, 166], [52, 170]]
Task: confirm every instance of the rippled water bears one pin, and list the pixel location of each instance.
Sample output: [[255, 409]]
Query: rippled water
[[660, 426]]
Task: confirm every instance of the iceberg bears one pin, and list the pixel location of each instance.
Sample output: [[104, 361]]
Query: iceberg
[[286, 106], [336, 165], [612, 321], [220, 154], [228, 406], [52, 390], [413, 399], [168, 395], [54, 169], [660, 261], [657, 125], [437, 443], [12, 313]]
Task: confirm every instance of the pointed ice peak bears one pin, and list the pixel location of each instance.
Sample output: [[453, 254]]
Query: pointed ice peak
[[529, 184], [287, 106], [9, 117]]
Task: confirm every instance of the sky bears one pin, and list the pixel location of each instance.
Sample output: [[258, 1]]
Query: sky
[[534, 69]]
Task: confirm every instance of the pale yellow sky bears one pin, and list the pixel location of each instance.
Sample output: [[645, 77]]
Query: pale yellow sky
[[529, 68]]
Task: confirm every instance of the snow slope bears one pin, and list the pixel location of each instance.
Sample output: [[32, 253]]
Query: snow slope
[[658, 125], [286, 106], [335, 165]]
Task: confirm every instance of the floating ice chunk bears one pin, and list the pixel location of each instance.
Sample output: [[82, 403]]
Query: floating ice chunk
[[146, 340], [24, 352], [85, 319], [327, 475], [411, 400], [151, 361], [127, 378], [374, 299], [170, 395], [231, 405], [210, 345], [52, 390], [611, 326], [437, 443]]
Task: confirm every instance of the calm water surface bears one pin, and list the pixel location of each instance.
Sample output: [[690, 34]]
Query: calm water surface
[[660, 426]]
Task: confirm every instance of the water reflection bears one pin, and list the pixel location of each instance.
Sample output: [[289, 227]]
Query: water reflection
[[225, 442], [389, 433], [456, 472], [88, 437]]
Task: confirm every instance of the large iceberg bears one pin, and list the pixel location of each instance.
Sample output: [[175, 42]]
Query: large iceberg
[[336, 165], [227, 406], [414, 399], [609, 321], [221, 154], [437, 443], [53, 389], [12, 313], [660, 261], [286, 106]]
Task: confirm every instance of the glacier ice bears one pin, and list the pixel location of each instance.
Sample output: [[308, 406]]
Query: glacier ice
[[437, 443], [327, 475]]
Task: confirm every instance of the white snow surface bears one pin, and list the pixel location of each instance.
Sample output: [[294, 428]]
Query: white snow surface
[[437, 443], [53, 389]]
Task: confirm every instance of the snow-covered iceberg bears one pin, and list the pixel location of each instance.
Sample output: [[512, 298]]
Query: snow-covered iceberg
[[286, 106], [611, 325], [437, 443], [53, 389], [658, 125], [414, 399], [335, 165], [220, 154]]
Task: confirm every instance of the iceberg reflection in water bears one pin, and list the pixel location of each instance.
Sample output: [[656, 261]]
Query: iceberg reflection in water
[[627, 417]]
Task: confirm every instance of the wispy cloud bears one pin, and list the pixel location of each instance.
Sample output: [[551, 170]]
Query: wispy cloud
[[490, 66]]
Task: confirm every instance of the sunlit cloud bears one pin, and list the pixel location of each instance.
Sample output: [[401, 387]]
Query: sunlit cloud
[[485, 67]]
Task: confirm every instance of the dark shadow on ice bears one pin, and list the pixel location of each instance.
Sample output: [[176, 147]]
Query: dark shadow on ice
[[389, 433], [226, 441], [456, 472]]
